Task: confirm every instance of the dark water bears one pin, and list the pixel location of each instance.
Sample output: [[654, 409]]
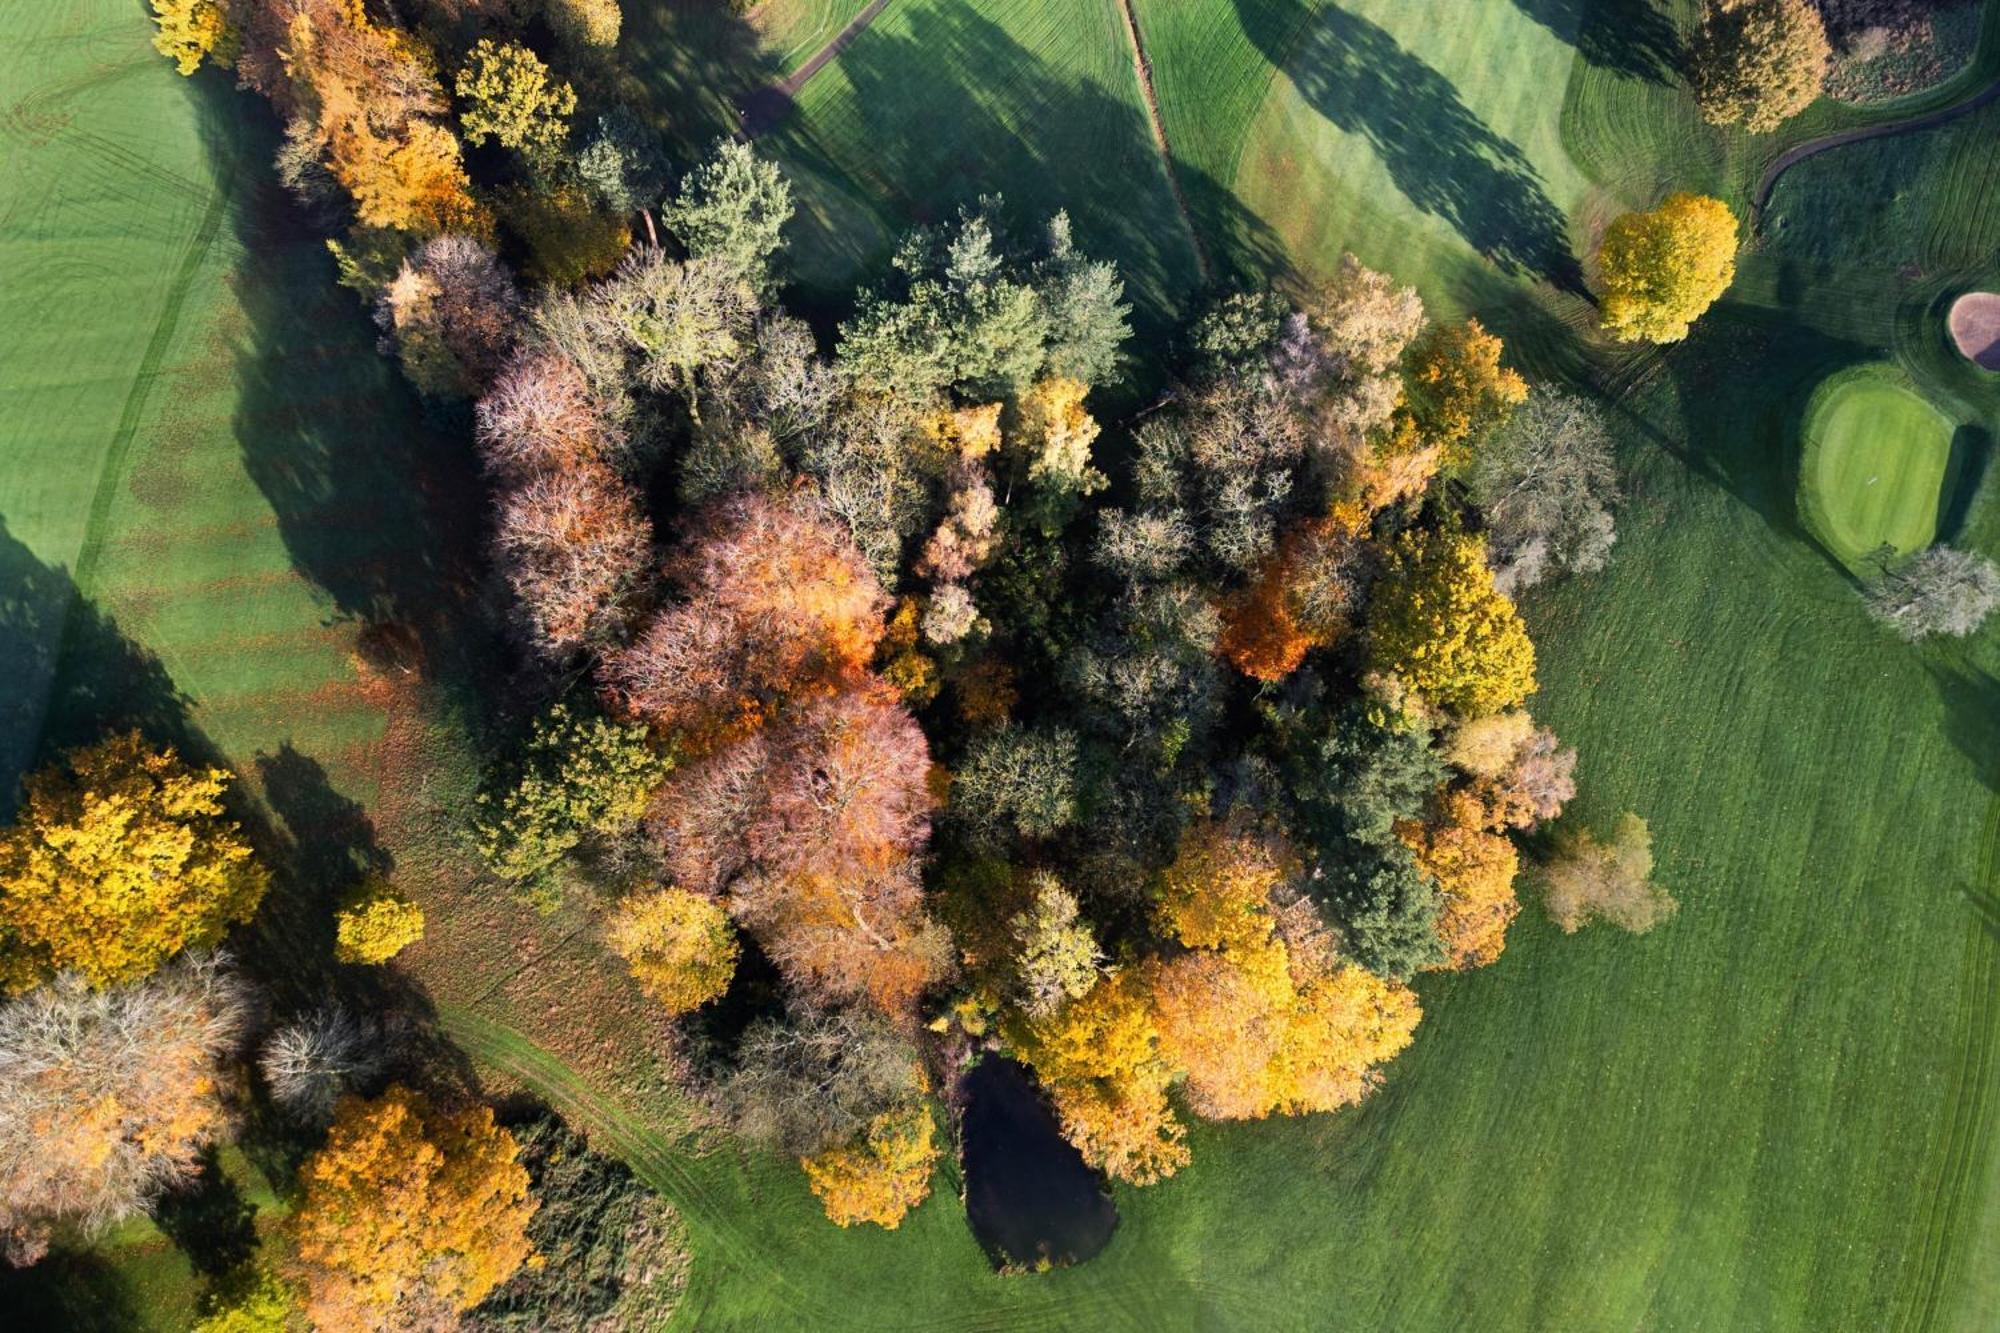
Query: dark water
[[1028, 1194]]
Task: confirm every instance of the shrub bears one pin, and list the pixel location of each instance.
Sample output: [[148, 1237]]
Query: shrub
[[120, 858], [679, 946], [1588, 880], [1939, 591], [376, 923]]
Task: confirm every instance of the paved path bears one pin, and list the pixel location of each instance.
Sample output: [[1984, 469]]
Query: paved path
[[1791, 157]]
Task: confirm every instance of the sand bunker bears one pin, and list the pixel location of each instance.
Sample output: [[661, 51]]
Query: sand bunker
[[1975, 327]]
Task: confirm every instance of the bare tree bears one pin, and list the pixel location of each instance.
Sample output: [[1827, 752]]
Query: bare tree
[[312, 1061], [1547, 483], [1940, 590], [817, 1079]]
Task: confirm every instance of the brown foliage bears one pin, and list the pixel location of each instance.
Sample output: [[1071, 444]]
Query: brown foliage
[[538, 417], [571, 544]]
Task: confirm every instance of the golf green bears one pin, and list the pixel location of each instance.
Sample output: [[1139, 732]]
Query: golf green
[[1876, 456]]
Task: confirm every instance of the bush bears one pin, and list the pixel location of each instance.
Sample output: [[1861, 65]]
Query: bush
[[376, 923], [680, 947], [1939, 591], [1591, 881]]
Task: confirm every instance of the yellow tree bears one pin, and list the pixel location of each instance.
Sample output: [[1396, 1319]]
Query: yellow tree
[[121, 859], [408, 1209], [376, 923], [1474, 869], [192, 30], [1758, 62], [1661, 270], [1441, 627], [679, 945], [1455, 391], [881, 1177]]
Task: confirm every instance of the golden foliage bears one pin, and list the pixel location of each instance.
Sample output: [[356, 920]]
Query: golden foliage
[[883, 1176], [121, 858], [1215, 894], [914, 674], [680, 947], [376, 924], [408, 1205], [1441, 626], [968, 432], [586, 23], [191, 30], [569, 238], [1057, 434], [1758, 62], [1455, 391], [1661, 270], [986, 693], [1475, 871]]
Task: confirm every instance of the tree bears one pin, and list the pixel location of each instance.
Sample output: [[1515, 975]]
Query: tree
[[1261, 636], [883, 1176], [119, 859], [572, 545], [108, 1096], [579, 775], [1940, 590], [1474, 871], [1661, 269], [1758, 62], [1056, 958], [253, 1299], [507, 96], [621, 162], [570, 238], [591, 24], [313, 1061], [1388, 912], [1439, 624], [376, 923], [407, 1206], [450, 312], [816, 1080], [680, 947], [1546, 485], [539, 417], [1054, 436], [732, 209], [1017, 783], [191, 31], [1522, 777], [1216, 893], [1588, 880], [1455, 391]]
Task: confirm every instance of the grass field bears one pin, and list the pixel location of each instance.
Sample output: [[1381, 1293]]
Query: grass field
[[1776, 1112], [1873, 464], [795, 29]]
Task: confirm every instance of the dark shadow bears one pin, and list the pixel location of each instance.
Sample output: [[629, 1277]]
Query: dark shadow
[[697, 67], [1629, 37], [1971, 699], [1442, 156], [209, 1219], [1964, 475], [70, 1291]]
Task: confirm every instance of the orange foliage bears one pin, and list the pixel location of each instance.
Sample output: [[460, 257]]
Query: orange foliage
[[883, 1176], [1215, 893], [1475, 871], [408, 1207]]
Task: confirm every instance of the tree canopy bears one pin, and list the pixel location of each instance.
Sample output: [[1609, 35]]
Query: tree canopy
[[1662, 269]]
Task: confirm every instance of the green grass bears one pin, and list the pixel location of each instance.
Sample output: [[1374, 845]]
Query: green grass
[[1874, 458], [796, 29]]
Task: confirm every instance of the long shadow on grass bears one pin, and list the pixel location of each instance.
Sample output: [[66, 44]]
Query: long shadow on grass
[[698, 64], [1630, 37], [957, 108], [1441, 155]]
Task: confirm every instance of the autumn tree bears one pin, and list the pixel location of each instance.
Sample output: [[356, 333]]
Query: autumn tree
[[376, 923], [572, 544], [506, 95], [1546, 486], [449, 313], [1660, 270], [1758, 63], [1939, 591], [1439, 624], [732, 209], [1474, 869], [119, 858], [1588, 880], [570, 237], [586, 24], [1521, 774], [1455, 391], [579, 775], [191, 31], [540, 416], [108, 1096], [812, 1081], [408, 1208], [1016, 782], [680, 947], [1056, 956], [882, 1176], [313, 1060], [254, 1298]]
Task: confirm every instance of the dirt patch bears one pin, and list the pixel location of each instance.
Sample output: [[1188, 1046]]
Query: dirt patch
[[1975, 327]]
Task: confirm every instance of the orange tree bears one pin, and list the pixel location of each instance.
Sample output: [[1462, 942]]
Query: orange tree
[[408, 1208], [121, 859]]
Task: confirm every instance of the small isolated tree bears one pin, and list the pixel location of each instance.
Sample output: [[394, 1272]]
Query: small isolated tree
[[107, 1097], [408, 1208], [1441, 626], [1661, 269], [1938, 591], [376, 923], [1056, 957], [1758, 63], [121, 858], [881, 1177], [733, 209], [580, 775], [313, 1061], [679, 945], [1610, 881], [191, 31], [1546, 485], [508, 97]]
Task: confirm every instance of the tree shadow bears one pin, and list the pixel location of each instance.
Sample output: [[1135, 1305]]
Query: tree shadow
[[1629, 37], [700, 68], [209, 1219], [1965, 477], [1439, 153], [1971, 699], [70, 1291]]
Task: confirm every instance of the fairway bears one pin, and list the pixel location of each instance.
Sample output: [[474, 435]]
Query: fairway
[[1874, 458]]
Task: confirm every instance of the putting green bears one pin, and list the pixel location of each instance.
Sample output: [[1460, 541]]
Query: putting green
[[1876, 455]]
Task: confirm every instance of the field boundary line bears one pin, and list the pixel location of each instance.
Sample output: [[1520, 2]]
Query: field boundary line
[[1142, 68]]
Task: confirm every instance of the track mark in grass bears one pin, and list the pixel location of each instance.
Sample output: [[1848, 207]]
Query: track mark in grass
[[1143, 70], [767, 107]]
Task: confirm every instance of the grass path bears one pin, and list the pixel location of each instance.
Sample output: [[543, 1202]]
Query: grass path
[[826, 55], [1143, 69]]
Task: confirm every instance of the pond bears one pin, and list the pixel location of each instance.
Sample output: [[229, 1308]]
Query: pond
[[1028, 1194]]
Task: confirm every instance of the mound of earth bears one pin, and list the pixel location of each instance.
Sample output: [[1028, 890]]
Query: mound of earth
[[1975, 327]]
